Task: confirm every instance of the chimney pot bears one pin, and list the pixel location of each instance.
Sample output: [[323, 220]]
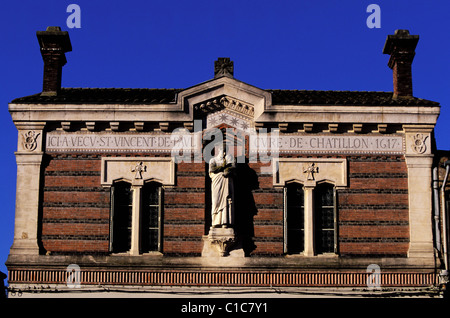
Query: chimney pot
[[401, 47], [54, 43]]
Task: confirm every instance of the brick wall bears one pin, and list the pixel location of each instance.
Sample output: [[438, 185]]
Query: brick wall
[[268, 218], [184, 211], [372, 211], [75, 208]]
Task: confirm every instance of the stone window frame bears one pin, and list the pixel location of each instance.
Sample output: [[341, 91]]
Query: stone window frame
[[117, 186], [136, 239], [311, 172], [139, 171], [309, 212]]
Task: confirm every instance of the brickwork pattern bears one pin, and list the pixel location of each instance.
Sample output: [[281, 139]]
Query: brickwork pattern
[[75, 209], [372, 212]]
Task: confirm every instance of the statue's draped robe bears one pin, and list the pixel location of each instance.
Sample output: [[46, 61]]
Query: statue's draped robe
[[220, 193]]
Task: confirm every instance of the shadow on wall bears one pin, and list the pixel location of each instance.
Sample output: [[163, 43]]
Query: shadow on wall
[[2, 285], [246, 180]]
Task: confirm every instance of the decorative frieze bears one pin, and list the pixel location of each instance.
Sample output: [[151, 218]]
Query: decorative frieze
[[94, 276], [58, 141], [114, 142], [298, 143]]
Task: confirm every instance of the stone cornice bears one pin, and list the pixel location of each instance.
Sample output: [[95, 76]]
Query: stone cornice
[[229, 93]]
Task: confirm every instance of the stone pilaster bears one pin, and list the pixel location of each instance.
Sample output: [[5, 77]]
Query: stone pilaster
[[419, 161], [29, 158]]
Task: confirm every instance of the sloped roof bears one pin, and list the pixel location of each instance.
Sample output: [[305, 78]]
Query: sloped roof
[[313, 97], [166, 96]]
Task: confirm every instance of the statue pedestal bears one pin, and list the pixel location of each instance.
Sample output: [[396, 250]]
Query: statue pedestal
[[221, 242]]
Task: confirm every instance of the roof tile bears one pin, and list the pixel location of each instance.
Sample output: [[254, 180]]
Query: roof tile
[[166, 96]]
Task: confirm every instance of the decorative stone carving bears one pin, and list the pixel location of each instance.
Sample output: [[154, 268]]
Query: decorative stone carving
[[66, 125], [139, 169], [158, 169], [357, 128], [333, 128], [114, 125], [222, 239], [419, 143], [90, 125], [30, 140], [164, 126], [223, 67], [227, 102], [310, 170], [139, 126], [333, 170], [308, 127], [382, 128]]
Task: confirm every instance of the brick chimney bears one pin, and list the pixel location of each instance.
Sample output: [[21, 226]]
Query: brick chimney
[[401, 47], [54, 44]]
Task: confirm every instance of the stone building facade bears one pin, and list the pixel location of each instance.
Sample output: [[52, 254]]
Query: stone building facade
[[328, 189]]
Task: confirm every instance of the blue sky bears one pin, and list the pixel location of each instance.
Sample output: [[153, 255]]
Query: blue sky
[[320, 45]]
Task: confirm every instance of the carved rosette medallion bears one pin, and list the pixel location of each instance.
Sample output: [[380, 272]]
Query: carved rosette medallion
[[30, 140], [419, 143]]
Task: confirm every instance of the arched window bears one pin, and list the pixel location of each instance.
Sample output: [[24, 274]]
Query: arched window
[[294, 218], [121, 217], [151, 217], [324, 218]]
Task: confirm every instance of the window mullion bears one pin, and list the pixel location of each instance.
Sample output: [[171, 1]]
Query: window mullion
[[111, 220], [335, 219], [135, 223], [159, 216]]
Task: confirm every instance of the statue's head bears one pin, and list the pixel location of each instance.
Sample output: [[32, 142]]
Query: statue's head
[[221, 150]]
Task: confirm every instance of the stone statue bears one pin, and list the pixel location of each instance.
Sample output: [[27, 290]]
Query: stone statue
[[221, 169]]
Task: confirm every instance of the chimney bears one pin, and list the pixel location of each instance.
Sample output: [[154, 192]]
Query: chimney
[[401, 47], [54, 44]]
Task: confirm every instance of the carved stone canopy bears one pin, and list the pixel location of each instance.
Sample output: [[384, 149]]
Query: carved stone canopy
[[222, 102]]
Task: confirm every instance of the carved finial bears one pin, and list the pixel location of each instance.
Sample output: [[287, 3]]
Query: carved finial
[[139, 168], [223, 67], [310, 170]]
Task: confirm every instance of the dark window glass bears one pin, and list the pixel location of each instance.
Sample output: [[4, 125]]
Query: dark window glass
[[295, 218], [150, 217], [324, 219], [122, 212]]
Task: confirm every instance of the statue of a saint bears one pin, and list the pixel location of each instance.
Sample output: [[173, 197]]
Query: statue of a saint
[[220, 171]]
